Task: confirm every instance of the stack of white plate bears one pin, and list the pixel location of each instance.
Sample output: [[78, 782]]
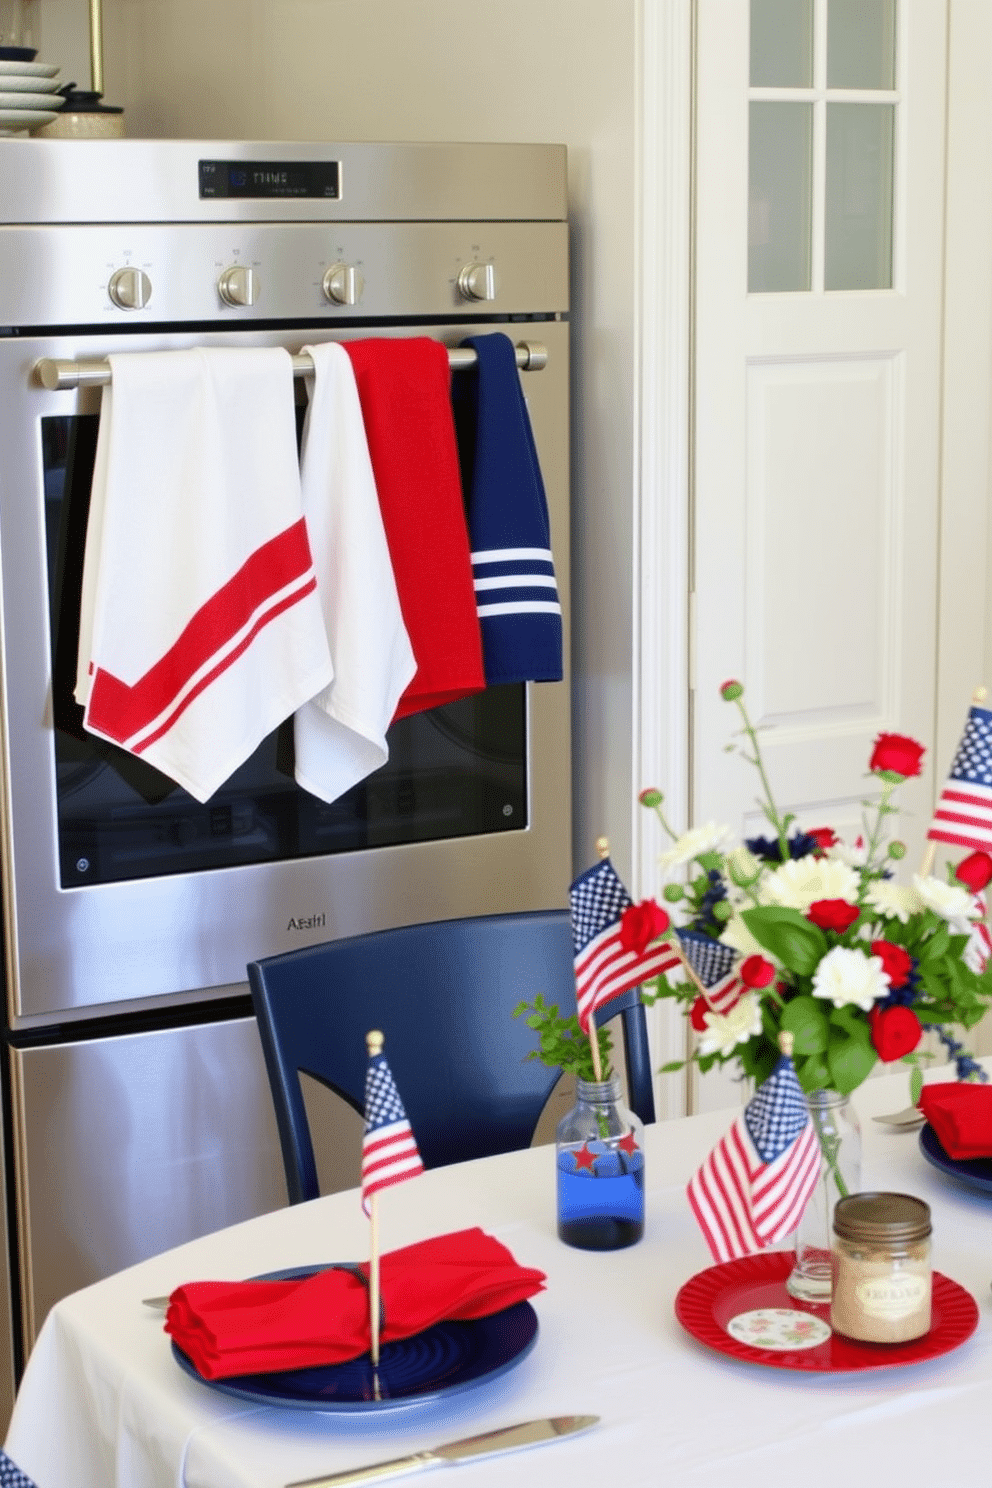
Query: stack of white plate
[[29, 95]]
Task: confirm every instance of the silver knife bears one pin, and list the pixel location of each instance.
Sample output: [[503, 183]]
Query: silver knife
[[506, 1439]]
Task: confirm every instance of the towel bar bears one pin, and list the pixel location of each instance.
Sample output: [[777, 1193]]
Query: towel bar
[[56, 375]]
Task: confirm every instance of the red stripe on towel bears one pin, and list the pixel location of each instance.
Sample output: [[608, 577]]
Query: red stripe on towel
[[121, 711]]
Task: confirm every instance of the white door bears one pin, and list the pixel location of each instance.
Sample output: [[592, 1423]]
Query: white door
[[819, 229]]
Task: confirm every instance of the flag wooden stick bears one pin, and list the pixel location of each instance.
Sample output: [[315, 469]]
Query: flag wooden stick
[[603, 848], [374, 1041], [930, 851]]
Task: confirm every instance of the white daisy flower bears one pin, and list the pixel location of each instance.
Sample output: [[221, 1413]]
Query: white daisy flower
[[849, 977], [708, 838], [802, 881], [724, 1031], [953, 902], [893, 901]]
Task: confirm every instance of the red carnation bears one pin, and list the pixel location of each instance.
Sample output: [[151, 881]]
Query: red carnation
[[975, 871], [897, 754], [824, 837], [757, 972], [731, 690], [642, 923], [896, 963], [698, 1015], [833, 914], [895, 1031]]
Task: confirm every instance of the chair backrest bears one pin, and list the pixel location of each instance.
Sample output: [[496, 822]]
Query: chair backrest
[[443, 994]]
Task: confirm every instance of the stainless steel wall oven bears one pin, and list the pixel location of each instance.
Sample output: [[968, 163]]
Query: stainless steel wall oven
[[136, 1109]]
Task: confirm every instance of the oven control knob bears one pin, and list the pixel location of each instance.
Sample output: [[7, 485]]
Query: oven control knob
[[239, 286], [130, 289], [478, 281], [343, 284]]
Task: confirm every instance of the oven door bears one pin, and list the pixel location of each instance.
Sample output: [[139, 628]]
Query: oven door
[[118, 886]]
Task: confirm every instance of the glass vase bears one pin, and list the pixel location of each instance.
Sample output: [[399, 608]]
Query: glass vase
[[839, 1133], [600, 1170]]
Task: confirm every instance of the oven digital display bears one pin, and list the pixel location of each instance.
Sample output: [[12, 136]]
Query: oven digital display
[[271, 179]]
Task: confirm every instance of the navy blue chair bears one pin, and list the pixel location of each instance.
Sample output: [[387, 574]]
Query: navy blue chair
[[444, 995]]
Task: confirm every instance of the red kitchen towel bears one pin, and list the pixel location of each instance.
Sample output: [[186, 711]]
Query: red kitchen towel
[[961, 1115], [405, 392], [259, 1327]]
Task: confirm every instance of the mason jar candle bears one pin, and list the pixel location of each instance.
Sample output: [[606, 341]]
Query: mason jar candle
[[881, 1267]]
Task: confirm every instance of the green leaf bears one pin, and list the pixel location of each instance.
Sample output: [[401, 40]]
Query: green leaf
[[806, 1019], [936, 948], [915, 1085], [850, 1061], [672, 1066], [788, 935], [851, 1022], [813, 1073]]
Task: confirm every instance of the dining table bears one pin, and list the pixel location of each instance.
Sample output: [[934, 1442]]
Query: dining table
[[103, 1402]]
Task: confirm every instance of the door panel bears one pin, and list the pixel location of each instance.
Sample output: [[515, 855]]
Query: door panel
[[816, 494]]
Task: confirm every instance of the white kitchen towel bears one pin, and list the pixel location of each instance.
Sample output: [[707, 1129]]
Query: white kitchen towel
[[341, 734], [200, 624]]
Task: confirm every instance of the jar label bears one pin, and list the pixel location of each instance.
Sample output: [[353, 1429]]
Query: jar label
[[892, 1297]]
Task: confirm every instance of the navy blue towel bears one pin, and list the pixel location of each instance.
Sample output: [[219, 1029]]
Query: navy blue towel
[[509, 530]]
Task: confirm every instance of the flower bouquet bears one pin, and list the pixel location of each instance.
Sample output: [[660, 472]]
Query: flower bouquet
[[800, 932], [796, 941]]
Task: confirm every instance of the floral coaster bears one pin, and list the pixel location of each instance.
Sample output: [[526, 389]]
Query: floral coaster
[[779, 1328]]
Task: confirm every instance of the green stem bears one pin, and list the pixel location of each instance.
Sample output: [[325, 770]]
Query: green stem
[[875, 835], [771, 811], [661, 817]]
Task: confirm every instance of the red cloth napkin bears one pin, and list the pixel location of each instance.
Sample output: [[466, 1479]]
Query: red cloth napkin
[[961, 1115], [259, 1327], [405, 391]]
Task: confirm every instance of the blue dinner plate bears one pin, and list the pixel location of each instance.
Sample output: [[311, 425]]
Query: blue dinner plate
[[975, 1172], [429, 1367]]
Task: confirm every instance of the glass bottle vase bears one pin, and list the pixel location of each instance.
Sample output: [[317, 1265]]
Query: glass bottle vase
[[600, 1170], [839, 1133]]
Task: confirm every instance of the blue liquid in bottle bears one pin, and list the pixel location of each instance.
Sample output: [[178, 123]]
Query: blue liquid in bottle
[[601, 1208]]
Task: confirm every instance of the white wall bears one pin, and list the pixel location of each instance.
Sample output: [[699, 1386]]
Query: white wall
[[562, 71]]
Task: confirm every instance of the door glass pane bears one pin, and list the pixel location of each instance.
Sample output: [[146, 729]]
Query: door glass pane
[[861, 44], [779, 199], [858, 244], [781, 43]]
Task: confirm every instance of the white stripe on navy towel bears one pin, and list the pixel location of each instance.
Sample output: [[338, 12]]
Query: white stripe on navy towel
[[511, 555], [521, 607], [516, 582]]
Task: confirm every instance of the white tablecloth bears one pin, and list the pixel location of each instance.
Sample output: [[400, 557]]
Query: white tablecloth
[[102, 1402]]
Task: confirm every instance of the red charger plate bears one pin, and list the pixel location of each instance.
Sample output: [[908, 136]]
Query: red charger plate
[[707, 1302]]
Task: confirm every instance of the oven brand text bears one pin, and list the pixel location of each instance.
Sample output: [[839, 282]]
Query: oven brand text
[[307, 922]]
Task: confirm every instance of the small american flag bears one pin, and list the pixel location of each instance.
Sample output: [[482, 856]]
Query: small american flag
[[603, 967], [726, 993], [389, 1151], [11, 1475], [752, 1189], [710, 959], [964, 812]]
